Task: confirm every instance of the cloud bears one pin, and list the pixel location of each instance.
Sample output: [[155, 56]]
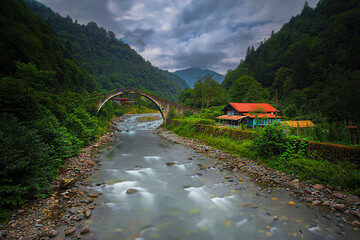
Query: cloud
[[138, 37], [176, 34]]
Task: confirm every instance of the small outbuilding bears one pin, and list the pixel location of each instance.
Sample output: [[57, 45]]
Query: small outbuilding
[[298, 124]]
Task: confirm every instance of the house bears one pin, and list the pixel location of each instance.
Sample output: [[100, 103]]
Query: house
[[298, 124], [251, 115], [124, 101]]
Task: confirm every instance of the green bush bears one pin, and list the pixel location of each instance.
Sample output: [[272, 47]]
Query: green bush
[[270, 140], [27, 163], [294, 147]]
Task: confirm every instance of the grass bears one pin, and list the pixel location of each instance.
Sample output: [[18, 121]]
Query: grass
[[306, 167], [140, 109], [148, 118]]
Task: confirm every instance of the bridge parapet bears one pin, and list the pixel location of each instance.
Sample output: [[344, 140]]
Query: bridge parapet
[[164, 105]]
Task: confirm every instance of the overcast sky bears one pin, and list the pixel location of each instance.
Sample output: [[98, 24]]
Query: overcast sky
[[177, 34]]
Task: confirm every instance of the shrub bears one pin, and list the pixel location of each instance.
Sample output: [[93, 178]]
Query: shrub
[[27, 163], [270, 140], [172, 113]]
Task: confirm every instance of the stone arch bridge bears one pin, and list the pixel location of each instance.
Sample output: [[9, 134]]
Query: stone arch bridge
[[163, 104]]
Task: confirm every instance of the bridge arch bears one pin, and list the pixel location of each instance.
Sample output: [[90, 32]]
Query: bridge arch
[[141, 93]]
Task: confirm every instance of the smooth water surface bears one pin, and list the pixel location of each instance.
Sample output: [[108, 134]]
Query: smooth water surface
[[183, 202]]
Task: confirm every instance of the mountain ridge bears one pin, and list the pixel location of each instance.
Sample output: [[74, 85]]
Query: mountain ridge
[[192, 74]]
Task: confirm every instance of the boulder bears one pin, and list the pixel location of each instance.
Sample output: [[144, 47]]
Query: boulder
[[53, 233], [355, 223], [340, 207], [318, 186], [131, 191], [69, 231], [338, 195], [67, 183], [87, 213], [85, 229]]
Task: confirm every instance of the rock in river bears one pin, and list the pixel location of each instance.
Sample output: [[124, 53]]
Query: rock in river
[[69, 231], [87, 213], [85, 229], [131, 191]]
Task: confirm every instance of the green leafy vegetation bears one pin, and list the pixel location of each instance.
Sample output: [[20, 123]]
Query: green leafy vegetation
[[206, 93], [273, 147]]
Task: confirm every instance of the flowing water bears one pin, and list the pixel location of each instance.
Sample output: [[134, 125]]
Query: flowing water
[[176, 202]]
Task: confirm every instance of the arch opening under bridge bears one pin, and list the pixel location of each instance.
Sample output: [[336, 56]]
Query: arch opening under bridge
[[163, 104]]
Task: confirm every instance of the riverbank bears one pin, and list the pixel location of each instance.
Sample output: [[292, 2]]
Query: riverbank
[[347, 207], [70, 202]]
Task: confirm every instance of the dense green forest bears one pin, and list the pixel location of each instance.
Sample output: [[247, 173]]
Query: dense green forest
[[46, 110], [313, 62], [113, 63]]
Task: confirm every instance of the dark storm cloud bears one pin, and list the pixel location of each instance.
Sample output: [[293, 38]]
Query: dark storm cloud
[[175, 34], [138, 37], [200, 59]]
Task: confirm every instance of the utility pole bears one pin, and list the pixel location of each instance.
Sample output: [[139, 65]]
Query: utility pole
[[276, 111]]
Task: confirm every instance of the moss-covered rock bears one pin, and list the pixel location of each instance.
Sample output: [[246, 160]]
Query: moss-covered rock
[[67, 183]]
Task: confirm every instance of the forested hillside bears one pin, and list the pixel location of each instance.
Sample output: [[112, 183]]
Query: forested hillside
[[313, 62], [46, 112], [113, 63], [26, 38]]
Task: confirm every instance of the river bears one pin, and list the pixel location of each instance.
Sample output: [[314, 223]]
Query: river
[[145, 196]]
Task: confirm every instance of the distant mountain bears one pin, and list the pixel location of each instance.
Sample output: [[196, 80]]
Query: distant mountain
[[191, 75], [175, 78]]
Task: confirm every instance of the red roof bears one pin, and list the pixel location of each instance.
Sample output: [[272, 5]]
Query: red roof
[[248, 107], [235, 117], [262, 115]]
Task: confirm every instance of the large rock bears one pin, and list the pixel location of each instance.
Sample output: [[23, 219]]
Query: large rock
[[87, 213], [53, 233], [67, 183], [340, 207], [131, 191], [69, 231], [338, 195], [85, 229], [318, 186], [355, 223]]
